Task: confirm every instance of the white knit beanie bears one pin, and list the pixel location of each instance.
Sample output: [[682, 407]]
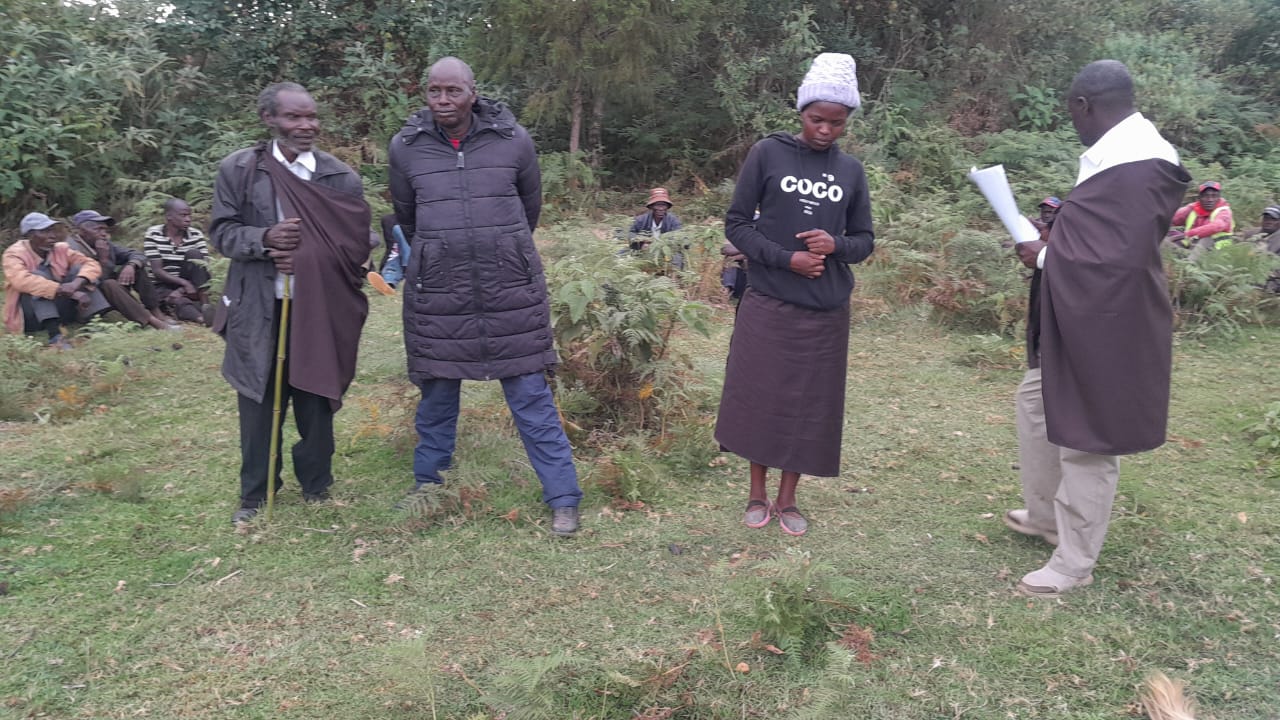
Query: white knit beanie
[[831, 78]]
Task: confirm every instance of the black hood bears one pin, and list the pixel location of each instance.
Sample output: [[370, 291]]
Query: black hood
[[487, 115]]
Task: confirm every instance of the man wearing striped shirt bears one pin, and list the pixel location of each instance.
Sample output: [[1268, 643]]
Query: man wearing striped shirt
[[177, 254]]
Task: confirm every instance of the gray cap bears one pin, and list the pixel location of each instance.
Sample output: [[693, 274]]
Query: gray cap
[[36, 221], [85, 216], [1273, 211]]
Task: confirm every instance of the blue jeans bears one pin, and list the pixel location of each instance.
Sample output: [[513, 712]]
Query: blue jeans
[[534, 411], [393, 270]]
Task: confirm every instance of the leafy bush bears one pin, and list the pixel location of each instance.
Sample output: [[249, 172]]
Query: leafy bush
[[1266, 437], [964, 275], [612, 322], [1219, 293]]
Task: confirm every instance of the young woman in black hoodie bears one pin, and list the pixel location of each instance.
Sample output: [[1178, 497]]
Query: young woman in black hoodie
[[783, 400]]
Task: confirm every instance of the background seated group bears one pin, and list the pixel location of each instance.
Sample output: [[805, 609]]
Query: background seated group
[[58, 275]]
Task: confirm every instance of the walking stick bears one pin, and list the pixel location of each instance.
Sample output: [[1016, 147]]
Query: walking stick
[[281, 348]]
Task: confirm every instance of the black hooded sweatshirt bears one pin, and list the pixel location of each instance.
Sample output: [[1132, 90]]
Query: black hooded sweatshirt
[[798, 189]]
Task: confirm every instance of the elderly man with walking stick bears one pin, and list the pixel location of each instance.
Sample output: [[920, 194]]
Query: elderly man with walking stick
[[294, 223]]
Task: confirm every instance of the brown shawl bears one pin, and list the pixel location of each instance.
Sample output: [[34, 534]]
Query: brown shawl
[[1106, 327], [331, 306]]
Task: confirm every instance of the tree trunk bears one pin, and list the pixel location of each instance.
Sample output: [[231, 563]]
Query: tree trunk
[[595, 133], [575, 119]]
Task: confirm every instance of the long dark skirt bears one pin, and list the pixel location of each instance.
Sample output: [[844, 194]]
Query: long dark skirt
[[783, 399]]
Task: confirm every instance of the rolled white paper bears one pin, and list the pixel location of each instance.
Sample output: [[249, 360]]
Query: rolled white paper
[[995, 187]]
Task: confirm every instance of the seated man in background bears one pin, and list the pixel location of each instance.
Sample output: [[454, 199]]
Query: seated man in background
[[48, 284], [177, 253], [395, 263], [1266, 235], [1267, 238], [123, 269], [649, 225], [1204, 224]]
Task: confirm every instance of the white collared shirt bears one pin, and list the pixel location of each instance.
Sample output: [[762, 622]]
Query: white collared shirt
[[1131, 140], [303, 166]]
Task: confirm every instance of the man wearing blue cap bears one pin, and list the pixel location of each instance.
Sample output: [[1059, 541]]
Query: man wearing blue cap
[[47, 284], [123, 269]]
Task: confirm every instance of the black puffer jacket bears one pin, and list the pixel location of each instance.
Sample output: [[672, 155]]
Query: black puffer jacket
[[475, 303]]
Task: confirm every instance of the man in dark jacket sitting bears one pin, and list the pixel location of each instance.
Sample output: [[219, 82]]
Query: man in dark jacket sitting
[[467, 192]]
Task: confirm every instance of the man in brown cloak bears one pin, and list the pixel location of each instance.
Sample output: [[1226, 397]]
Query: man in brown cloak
[[1099, 387], [294, 222]]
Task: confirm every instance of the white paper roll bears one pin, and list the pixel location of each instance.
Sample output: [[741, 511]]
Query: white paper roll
[[995, 187]]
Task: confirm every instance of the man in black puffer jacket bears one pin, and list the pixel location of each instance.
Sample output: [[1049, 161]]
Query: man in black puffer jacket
[[467, 192]]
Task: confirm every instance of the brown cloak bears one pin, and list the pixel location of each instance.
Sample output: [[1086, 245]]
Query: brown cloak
[[331, 306], [1106, 327]]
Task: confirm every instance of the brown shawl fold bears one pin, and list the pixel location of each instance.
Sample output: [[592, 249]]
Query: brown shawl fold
[[1106, 327], [330, 307]]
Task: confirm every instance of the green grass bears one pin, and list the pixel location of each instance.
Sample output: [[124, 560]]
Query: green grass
[[128, 594]]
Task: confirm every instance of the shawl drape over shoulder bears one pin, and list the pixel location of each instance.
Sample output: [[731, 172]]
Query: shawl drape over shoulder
[[329, 262], [1106, 326]]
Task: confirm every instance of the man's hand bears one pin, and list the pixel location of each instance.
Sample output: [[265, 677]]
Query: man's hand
[[284, 235], [103, 249], [127, 275], [819, 242], [71, 287], [807, 264], [283, 260], [188, 289], [1029, 251], [82, 299]]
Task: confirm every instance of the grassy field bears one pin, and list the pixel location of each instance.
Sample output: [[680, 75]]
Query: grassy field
[[124, 591]]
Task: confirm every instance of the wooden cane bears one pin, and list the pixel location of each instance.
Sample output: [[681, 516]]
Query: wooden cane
[[281, 348]]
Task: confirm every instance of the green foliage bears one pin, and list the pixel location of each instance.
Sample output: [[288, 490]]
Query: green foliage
[[1266, 437], [77, 111], [1220, 292], [1039, 108], [567, 182], [798, 607], [965, 276], [613, 322], [534, 688]]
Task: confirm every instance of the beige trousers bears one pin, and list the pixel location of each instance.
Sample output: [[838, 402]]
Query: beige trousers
[[1066, 491]]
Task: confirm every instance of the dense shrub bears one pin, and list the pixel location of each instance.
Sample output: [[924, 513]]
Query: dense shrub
[[1220, 292], [613, 323]]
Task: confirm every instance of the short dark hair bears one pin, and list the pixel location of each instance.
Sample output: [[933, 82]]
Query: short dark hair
[[1105, 83], [172, 204], [267, 104]]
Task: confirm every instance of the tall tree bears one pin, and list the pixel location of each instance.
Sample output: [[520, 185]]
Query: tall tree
[[575, 54]]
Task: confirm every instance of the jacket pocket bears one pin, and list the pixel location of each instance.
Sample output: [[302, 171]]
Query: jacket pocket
[[431, 260], [514, 269]]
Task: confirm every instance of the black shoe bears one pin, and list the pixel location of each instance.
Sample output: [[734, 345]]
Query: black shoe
[[314, 498], [243, 515], [564, 521]]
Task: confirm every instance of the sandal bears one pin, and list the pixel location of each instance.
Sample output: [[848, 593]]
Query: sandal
[[796, 525], [758, 514]]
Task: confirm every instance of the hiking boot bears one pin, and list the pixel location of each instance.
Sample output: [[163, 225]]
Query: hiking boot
[[316, 498], [420, 497], [564, 521], [243, 515]]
